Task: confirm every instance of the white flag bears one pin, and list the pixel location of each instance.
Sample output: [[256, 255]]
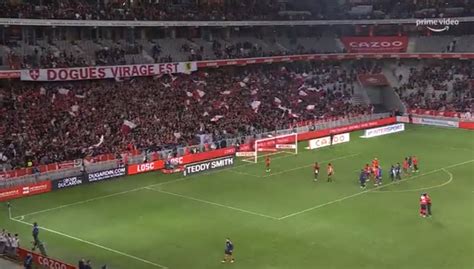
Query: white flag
[[302, 93], [255, 105], [63, 91], [216, 118]]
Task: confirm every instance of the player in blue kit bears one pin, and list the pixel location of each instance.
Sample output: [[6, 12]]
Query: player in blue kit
[[398, 172], [362, 178], [392, 173], [228, 252]]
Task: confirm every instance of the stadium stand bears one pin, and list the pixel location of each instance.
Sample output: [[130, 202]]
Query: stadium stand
[[224, 102], [441, 86], [82, 52], [238, 10]]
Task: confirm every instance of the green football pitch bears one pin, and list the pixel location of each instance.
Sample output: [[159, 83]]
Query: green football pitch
[[278, 220]]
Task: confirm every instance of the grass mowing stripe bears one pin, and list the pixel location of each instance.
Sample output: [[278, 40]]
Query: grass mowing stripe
[[91, 243], [137, 189], [367, 191], [214, 204], [148, 186]]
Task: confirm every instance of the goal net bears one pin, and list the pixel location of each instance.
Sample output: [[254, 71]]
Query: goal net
[[273, 145]]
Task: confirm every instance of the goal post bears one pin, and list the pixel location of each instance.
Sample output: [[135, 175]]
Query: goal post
[[287, 143]]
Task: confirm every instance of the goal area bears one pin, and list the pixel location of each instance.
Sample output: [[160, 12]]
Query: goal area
[[287, 143]]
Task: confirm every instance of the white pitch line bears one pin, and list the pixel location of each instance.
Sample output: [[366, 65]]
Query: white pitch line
[[92, 244], [451, 177], [138, 189], [370, 190], [309, 165], [214, 204]]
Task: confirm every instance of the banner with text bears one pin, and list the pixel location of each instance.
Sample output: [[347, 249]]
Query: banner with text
[[435, 122], [186, 159], [375, 44], [319, 142], [42, 261], [25, 190], [68, 182], [103, 72], [390, 129], [106, 174], [208, 165], [347, 128]]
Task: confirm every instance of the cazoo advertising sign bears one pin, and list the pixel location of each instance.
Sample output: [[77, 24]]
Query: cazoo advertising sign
[[375, 44]]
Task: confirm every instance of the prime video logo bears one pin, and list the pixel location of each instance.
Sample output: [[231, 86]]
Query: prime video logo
[[438, 24]]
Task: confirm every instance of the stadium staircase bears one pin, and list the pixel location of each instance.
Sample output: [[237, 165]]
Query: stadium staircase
[[390, 97]]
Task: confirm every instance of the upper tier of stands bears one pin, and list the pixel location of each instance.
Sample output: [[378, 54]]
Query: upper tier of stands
[[61, 53], [233, 10]]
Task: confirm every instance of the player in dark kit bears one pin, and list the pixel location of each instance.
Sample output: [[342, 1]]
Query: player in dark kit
[[362, 178], [228, 252], [428, 204], [316, 171], [35, 233], [398, 172], [392, 172]]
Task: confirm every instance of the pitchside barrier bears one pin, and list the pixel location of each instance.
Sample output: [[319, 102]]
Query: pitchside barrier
[[385, 130], [41, 261], [66, 177], [209, 165], [328, 141]]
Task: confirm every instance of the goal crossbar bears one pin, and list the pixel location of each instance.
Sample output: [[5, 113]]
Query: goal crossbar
[[287, 143]]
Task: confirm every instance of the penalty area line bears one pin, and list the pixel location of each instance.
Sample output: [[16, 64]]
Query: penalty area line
[[230, 169], [93, 244], [370, 190]]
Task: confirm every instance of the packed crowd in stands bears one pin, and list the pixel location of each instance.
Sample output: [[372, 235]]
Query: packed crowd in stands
[[9, 243], [441, 86], [231, 10], [54, 122]]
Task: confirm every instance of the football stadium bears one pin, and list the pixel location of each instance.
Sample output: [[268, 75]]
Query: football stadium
[[236, 134]]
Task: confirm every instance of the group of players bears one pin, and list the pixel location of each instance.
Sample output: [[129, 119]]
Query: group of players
[[373, 172], [329, 170]]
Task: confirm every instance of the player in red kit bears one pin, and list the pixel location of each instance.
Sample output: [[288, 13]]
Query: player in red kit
[[316, 171], [375, 163], [267, 164], [423, 205], [415, 164], [405, 166]]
